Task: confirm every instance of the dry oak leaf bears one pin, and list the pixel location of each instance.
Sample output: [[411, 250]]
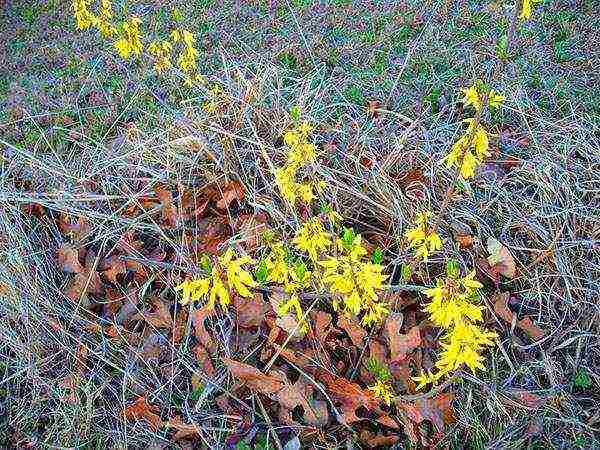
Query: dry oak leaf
[[500, 258], [437, 410], [159, 318], [300, 394], [68, 259], [401, 345], [200, 330], [350, 395], [229, 192], [250, 312], [530, 400], [464, 240], [254, 378], [141, 409], [526, 324], [86, 279], [184, 430], [112, 267], [168, 210], [353, 329]]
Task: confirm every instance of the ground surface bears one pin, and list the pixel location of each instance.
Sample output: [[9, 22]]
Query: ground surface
[[87, 134]]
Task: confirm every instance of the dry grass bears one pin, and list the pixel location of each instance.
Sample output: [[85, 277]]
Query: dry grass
[[549, 202]]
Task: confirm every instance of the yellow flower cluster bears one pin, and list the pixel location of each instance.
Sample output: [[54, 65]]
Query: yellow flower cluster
[[187, 60], [356, 281], [238, 280], [280, 271], [161, 51], [293, 276], [300, 152], [473, 146], [472, 97], [383, 389], [423, 237], [83, 17], [104, 25], [527, 8], [452, 307], [130, 40], [312, 238], [210, 106]]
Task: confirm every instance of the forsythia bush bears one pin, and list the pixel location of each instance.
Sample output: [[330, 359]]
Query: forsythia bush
[[317, 261], [129, 40], [323, 256]]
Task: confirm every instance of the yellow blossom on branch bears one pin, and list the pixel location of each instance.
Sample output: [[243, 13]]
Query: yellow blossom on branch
[[312, 238], [526, 8], [228, 266], [383, 390], [421, 237], [355, 282], [83, 17], [130, 41]]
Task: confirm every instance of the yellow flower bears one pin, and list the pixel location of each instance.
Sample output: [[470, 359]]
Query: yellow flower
[[383, 390], [461, 155], [426, 378], [218, 290], [83, 17], [104, 21], [356, 281], [312, 238], [472, 97], [495, 99], [284, 179], [527, 8], [293, 303], [193, 290], [130, 42], [237, 278], [422, 238]]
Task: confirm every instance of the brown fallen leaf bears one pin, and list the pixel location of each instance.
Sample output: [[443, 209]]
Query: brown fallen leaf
[[112, 267], [85, 282], [401, 345], [301, 394], [200, 331], [170, 217], [530, 400], [251, 312], [437, 410], [229, 192], [254, 378], [75, 229], [184, 430], [68, 259], [526, 324], [160, 317], [464, 240], [350, 395], [500, 258], [141, 409], [353, 329]]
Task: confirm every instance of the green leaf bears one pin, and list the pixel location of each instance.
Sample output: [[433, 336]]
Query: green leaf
[[348, 237], [377, 256], [300, 269], [405, 272], [378, 369], [196, 393], [205, 263], [295, 113], [261, 274], [452, 268], [582, 380]]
